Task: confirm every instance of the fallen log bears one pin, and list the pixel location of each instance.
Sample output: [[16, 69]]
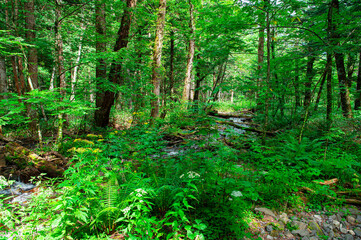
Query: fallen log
[[230, 114], [247, 128], [347, 200], [23, 157]]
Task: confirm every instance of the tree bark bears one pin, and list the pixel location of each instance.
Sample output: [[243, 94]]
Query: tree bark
[[340, 65], [171, 64], [3, 79], [260, 52], [74, 74], [297, 85], [358, 87], [324, 75], [157, 56], [106, 101], [187, 79], [329, 90], [30, 37], [308, 84], [100, 70]]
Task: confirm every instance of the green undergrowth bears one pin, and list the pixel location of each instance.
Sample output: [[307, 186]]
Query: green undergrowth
[[125, 182]]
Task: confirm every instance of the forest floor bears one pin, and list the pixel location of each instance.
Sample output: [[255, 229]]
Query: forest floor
[[289, 222]]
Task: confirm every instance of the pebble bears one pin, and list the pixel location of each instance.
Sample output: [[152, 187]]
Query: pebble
[[345, 224]]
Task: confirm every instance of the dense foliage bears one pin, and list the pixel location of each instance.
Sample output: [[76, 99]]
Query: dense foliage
[[124, 90]]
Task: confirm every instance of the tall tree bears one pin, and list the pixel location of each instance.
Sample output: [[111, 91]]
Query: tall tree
[[106, 101], [191, 49], [3, 79], [30, 37], [157, 57], [339, 59]]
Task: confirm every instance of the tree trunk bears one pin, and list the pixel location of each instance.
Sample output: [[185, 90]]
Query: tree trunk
[[3, 79], [171, 64], [187, 80], [74, 74], [260, 52], [351, 59], [324, 75], [30, 37], [358, 87], [297, 85], [100, 70], [59, 66], [106, 101], [340, 65], [308, 84], [157, 56], [329, 90]]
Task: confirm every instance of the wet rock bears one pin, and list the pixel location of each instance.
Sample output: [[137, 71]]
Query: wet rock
[[265, 211]]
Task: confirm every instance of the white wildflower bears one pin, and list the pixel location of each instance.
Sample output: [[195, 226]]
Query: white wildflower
[[191, 174], [126, 210], [236, 194]]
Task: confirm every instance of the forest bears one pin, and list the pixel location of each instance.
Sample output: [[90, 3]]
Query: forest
[[180, 119]]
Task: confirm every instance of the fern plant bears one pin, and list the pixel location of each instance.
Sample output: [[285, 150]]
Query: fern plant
[[109, 208]]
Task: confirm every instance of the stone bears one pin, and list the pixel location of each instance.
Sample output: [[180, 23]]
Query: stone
[[317, 218], [299, 225], [284, 218], [269, 228], [354, 211], [350, 219], [343, 229], [289, 235], [275, 234], [265, 211], [306, 238], [333, 217], [357, 231], [302, 233], [351, 232], [315, 227], [336, 223], [314, 238], [348, 237], [269, 237], [358, 218]]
